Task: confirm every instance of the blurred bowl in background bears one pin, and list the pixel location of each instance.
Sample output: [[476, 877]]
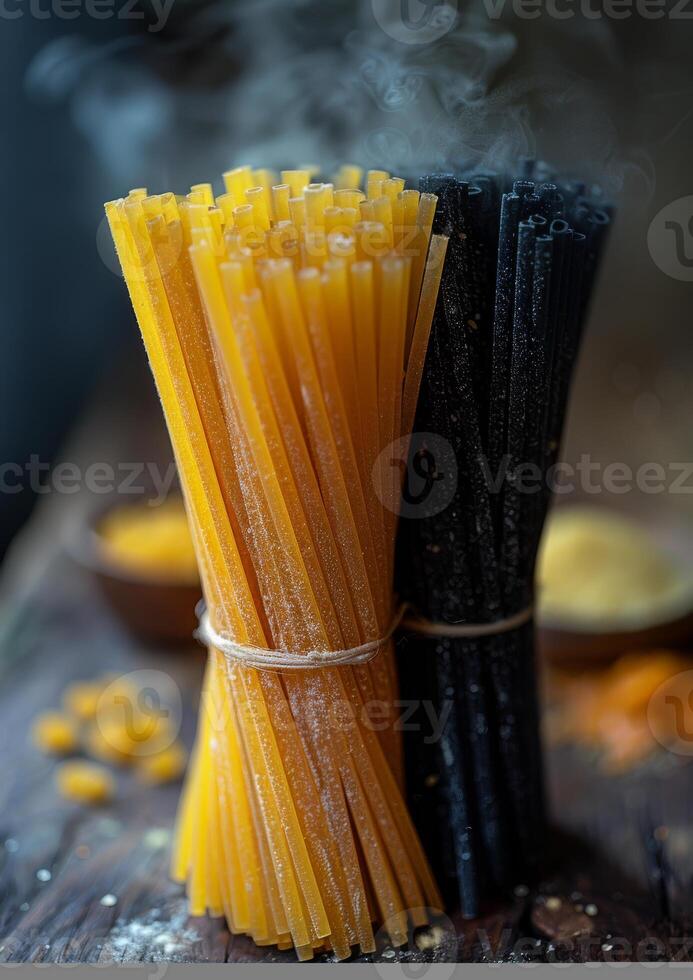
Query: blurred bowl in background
[[609, 585], [140, 558], [563, 645]]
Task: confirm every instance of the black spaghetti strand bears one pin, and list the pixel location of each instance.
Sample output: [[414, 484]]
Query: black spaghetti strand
[[519, 272]]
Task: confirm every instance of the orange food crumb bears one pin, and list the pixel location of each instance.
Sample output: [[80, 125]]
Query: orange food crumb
[[630, 683], [612, 711]]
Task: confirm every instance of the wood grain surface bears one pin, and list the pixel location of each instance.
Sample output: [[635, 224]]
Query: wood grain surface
[[619, 863]]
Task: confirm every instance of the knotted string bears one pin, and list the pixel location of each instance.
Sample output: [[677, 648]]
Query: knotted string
[[418, 624], [262, 658]]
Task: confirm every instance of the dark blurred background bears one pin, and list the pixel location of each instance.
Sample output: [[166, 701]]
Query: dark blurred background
[[100, 96]]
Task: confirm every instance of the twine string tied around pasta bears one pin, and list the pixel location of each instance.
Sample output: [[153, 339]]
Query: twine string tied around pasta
[[266, 659]]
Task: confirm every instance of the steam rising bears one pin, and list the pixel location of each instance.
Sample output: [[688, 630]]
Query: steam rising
[[311, 82]]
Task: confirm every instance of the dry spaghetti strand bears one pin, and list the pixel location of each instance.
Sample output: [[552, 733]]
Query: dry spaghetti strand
[[286, 324]]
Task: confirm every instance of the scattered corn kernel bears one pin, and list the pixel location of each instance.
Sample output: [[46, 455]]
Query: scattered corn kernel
[[118, 697], [165, 766], [84, 782], [149, 733], [129, 722], [123, 738], [107, 741], [55, 732], [81, 698]]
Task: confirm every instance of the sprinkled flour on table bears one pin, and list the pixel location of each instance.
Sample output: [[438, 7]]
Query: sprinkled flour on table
[[152, 937]]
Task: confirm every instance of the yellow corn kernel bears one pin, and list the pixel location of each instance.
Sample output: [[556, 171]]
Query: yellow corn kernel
[[122, 736], [81, 698], [84, 782], [55, 733], [165, 766], [107, 742]]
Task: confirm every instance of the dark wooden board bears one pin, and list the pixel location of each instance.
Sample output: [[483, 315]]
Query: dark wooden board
[[608, 849]]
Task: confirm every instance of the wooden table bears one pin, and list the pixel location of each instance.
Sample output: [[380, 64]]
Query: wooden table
[[608, 848], [620, 857]]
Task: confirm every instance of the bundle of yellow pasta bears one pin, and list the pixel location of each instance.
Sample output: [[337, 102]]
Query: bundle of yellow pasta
[[286, 325]]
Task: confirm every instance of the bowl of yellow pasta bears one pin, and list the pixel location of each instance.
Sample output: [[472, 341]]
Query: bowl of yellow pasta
[[142, 557]]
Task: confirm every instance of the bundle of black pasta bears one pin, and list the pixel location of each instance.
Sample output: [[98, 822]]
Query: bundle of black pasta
[[519, 270]]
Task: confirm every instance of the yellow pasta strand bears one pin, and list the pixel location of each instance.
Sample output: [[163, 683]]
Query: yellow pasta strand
[[286, 326]]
